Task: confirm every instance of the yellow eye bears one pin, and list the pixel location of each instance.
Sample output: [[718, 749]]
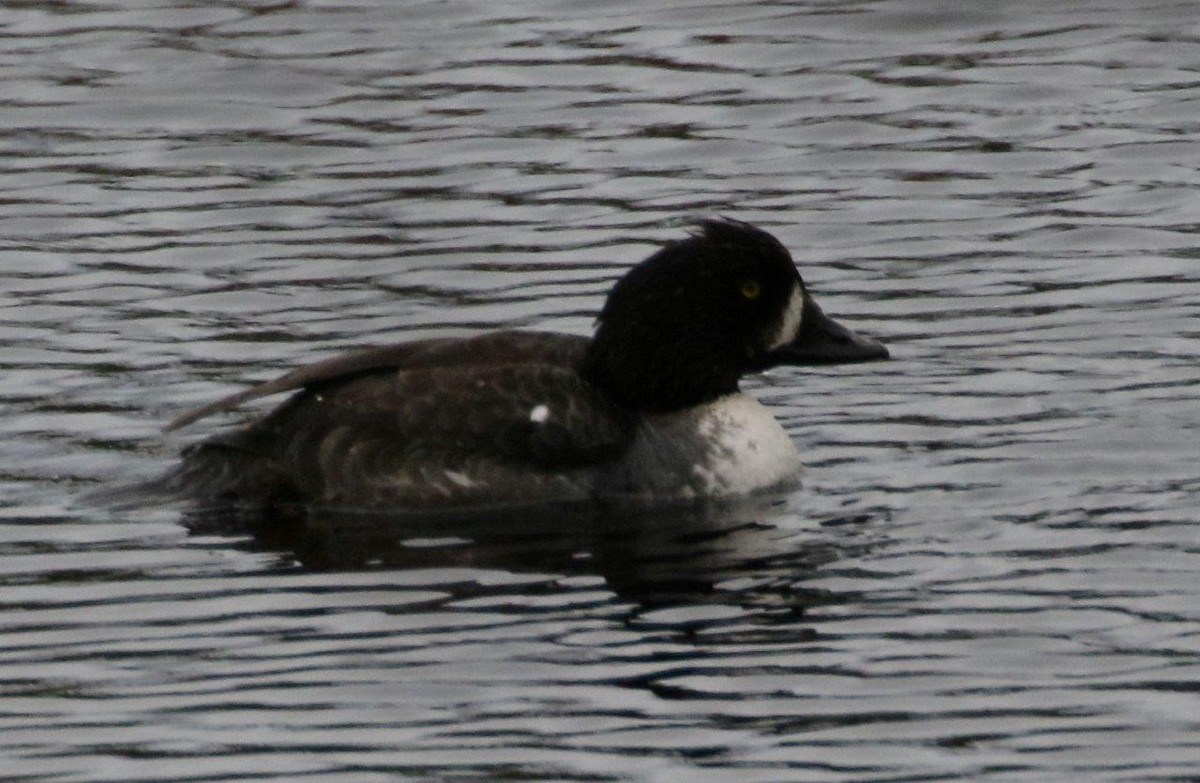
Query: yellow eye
[[751, 289]]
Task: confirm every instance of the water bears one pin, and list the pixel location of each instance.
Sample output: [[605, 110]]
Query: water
[[989, 575]]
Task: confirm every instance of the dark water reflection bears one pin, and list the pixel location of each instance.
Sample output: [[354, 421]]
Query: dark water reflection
[[988, 575], [741, 555]]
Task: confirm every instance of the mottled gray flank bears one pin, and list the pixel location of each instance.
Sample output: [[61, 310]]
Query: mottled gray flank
[[991, 573]]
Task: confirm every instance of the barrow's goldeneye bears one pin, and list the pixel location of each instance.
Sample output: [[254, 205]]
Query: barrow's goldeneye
[[647, 408]]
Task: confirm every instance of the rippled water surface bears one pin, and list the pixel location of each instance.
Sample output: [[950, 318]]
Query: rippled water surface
[[992, 572]]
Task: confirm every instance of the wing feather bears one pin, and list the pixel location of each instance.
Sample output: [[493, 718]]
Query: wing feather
[[494, 348], [453, 433]]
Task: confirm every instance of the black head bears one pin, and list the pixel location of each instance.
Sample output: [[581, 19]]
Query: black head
[[681, 327]]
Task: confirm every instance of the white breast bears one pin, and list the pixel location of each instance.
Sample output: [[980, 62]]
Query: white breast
[[731, 446]]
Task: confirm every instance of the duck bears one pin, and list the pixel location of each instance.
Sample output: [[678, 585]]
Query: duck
[[647, 409]]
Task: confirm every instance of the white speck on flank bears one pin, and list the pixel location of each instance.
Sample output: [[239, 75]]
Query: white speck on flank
[[539, 414], [460, 479]]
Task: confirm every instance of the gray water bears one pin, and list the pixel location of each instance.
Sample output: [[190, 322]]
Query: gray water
[[991, 573]]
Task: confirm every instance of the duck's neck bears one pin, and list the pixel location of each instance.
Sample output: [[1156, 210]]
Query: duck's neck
[[630, 369]]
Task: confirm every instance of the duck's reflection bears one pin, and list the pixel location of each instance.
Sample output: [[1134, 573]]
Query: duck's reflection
[[754, 554]]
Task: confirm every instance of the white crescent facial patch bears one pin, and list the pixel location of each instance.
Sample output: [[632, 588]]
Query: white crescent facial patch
[[789, 323]]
